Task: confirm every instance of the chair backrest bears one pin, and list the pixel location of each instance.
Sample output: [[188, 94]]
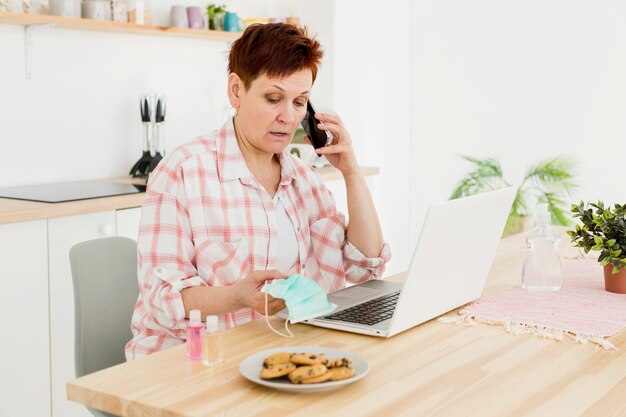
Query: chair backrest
[[104, 274]]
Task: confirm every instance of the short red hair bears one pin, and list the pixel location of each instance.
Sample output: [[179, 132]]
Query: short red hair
[[274, 49]]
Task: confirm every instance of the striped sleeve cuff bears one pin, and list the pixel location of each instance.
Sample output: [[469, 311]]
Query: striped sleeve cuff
[[360, 268], [171, 283]]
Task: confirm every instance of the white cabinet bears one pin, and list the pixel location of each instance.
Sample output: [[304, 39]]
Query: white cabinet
[[128, 222], [63, 233], [24, 338]]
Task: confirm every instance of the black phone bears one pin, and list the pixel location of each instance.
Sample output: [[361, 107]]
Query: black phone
[[319, 137]]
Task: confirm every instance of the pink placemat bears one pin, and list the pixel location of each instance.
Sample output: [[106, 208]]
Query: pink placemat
[[581, 309]]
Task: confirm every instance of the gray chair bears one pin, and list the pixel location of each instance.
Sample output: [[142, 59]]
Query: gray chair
[[104, 274]]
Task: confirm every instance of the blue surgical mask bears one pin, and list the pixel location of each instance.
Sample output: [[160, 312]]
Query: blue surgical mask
[[304, 298]]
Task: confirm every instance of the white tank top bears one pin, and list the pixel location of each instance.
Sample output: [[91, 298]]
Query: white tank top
[[287, 250]]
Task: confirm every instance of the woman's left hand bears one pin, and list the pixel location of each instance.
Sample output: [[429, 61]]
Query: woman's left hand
[[339, 152]]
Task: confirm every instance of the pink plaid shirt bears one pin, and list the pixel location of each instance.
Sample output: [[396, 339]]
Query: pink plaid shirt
[[207, 221]]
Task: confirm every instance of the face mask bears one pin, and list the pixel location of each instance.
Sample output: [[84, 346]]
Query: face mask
[[304, 298]]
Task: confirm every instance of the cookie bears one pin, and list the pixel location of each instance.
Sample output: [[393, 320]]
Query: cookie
[[336, 363], [276, 358], [307, 358], [341, 372], [278, 370], [326, 376], [305, 372]]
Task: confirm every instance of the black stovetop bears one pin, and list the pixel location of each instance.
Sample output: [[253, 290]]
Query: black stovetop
[[70, 191]]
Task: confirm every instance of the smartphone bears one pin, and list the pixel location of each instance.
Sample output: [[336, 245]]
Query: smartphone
[[319, 138]]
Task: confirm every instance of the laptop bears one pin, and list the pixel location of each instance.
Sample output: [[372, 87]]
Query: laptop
[[449, 268]]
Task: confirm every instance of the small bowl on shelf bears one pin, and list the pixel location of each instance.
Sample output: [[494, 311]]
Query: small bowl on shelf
[[96, 10]]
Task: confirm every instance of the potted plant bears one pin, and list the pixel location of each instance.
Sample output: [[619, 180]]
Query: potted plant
[[605, 231], [215, 16], [548, 181]]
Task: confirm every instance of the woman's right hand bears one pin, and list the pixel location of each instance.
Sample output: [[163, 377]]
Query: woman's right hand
[[248, 292]]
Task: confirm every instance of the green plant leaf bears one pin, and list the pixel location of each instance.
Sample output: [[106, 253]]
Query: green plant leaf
[[550, 180], [604, 229], [519, 206], [486, 175], [556, 208], [555, 173]]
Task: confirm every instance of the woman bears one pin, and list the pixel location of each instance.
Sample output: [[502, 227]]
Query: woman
[[226, 212]]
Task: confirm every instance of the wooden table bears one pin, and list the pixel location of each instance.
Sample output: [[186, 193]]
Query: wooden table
[[434, 369]]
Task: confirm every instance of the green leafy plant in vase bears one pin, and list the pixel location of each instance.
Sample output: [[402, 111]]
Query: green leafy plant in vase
[[604, 230], [548, 181], [215, 16]]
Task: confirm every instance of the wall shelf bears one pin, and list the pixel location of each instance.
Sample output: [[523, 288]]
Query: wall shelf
[[27, 20]]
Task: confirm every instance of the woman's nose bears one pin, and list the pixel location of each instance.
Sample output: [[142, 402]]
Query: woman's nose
[[287, 114]]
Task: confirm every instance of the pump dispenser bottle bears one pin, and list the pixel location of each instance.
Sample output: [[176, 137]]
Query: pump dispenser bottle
[[212, 343], [194, 335], [542, 270]]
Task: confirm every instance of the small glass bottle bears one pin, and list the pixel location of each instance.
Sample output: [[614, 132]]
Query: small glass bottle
[[36, 6], [212, 343], [139, 12], [542, 270], [194, 335], [119, 11]]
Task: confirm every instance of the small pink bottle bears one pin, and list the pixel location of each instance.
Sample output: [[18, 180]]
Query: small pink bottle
[[194, 335]]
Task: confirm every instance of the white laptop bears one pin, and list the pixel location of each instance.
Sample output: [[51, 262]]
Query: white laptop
[[449, 268]]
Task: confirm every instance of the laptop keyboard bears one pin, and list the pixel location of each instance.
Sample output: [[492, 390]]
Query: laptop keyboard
[[369, 313]]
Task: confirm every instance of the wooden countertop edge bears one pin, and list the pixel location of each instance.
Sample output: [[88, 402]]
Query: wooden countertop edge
[[78, 393], [14, 211], [70, 208]]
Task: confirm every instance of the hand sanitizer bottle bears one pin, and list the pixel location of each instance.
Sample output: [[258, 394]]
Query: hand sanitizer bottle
[[212, 343], [542, 270], [194, 335]]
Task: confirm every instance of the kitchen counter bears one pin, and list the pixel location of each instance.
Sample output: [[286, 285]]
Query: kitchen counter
[[13, 211]]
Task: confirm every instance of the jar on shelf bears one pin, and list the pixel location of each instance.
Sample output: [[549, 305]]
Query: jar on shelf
[[12, 6], [119, 10], [139, 12], [36, 6], [65, 8], [293, 20]]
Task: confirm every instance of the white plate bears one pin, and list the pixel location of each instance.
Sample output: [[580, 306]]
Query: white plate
[[251, 366]]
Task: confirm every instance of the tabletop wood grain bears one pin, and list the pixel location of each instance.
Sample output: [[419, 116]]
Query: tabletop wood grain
[[433, 369]]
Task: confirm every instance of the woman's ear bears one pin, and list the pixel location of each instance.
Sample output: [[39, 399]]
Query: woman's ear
[[235, 89]]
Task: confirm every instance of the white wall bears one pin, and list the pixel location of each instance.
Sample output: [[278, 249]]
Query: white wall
[[371, 90], [78, 118], [416, 85], [521, 81]]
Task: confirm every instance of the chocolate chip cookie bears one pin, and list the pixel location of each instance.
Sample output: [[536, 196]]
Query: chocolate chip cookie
[[307, 371], [307, 358], [277, 371]]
